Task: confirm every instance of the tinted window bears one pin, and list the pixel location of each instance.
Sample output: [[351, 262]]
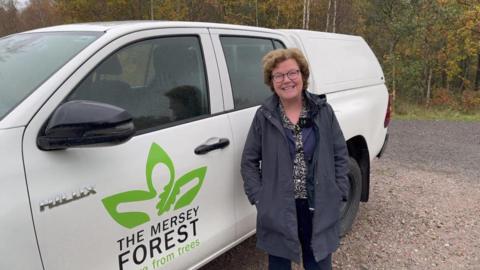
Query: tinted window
[[244, 62], [157, 81]]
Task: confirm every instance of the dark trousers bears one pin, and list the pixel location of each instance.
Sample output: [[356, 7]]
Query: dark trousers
[[304, 220]]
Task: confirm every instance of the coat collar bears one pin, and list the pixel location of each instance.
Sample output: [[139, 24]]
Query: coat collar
[[270, 106], [314, 102]]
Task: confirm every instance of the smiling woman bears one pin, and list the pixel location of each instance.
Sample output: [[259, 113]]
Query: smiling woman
[[27, 60], [286, 168]]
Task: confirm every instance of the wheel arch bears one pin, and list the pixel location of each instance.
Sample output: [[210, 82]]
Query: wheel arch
[[358, 149]]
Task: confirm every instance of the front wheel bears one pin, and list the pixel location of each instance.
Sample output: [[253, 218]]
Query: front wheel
[[349, 209]]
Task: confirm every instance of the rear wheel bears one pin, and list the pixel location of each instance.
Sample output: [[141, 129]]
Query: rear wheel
[[349, 209]]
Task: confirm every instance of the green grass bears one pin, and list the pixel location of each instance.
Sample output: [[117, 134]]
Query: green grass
[[418, 112]]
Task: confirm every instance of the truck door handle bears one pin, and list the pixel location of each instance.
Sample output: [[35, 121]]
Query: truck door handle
[[208, 146]]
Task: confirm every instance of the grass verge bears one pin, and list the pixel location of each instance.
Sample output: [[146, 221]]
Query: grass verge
[[418, 112]]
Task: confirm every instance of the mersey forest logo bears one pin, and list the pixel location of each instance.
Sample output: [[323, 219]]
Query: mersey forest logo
[[169, 197]]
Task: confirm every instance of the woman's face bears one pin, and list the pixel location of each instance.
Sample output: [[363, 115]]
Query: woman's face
[[287, 80]]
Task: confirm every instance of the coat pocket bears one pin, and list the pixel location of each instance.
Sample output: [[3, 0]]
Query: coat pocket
[[337, 189], [334, 189], [268, 214]]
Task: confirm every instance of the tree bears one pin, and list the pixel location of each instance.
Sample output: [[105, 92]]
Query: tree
[[39, 13], [9, 18], [73, 11], [389, 28], [306, 14]]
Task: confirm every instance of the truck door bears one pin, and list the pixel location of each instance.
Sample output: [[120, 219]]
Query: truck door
[[150, 203], [240, 54]]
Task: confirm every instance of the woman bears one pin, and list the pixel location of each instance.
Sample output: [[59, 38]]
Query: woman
[[294, 167]]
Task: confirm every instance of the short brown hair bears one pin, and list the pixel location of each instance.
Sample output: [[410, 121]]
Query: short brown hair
[[275, 57]]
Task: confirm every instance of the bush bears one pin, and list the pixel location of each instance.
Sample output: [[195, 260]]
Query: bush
[[471, 101], [442, 98]]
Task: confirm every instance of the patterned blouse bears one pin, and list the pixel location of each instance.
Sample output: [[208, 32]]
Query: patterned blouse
[[299, 164]]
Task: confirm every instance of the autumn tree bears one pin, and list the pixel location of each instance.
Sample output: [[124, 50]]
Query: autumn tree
[[389, 25], [425, 47], [73, 11], [9, 18], [39, 13]]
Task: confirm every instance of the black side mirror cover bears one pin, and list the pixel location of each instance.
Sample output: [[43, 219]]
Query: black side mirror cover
[[83, 123]]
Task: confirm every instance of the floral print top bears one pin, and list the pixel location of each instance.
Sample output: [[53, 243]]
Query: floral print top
[[299, 164]]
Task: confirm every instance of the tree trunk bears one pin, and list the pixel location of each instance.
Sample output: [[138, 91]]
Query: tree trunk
[[256, 12], [394, 87], [392, 59], [304, 13], [477, 77], [429, 87], [328, 15], [278, 15], [334, 15], [190, 8], [151, 10], [465, 68], [444, 77], [308, 15]]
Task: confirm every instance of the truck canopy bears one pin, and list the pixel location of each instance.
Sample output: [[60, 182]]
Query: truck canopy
[[340, 61]]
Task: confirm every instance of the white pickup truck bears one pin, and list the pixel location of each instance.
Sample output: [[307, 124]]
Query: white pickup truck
[[173, 101]]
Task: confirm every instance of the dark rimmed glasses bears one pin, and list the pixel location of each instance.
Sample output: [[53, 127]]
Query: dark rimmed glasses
[[279, 77]]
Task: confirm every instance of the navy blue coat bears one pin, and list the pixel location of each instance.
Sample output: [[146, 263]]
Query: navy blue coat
[[267, 170]]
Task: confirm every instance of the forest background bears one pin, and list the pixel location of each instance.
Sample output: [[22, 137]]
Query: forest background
[[429, 49]]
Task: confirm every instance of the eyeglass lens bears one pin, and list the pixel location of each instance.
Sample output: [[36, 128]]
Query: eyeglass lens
[[292, 74]]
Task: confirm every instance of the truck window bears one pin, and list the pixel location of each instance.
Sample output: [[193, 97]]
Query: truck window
[[278, 44], [158, 81], [244, 61]]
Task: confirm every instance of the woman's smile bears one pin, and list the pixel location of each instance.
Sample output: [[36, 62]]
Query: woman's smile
[[289, 87]]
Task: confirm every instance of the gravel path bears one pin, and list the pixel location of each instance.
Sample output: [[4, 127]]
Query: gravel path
[[424, 205]]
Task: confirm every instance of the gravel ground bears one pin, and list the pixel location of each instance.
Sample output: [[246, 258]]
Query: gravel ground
[[424, 205]]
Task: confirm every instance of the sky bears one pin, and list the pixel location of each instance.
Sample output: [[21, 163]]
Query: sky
[[22, 3]]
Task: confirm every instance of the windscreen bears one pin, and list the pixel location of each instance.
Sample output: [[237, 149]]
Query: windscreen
[[27, 60]]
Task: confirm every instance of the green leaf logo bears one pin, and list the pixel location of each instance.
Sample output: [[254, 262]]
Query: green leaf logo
[[167, 197]]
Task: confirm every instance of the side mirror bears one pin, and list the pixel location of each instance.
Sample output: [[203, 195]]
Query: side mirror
[[81, 123]]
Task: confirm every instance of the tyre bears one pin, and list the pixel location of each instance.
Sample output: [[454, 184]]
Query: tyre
[[349, 209]]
